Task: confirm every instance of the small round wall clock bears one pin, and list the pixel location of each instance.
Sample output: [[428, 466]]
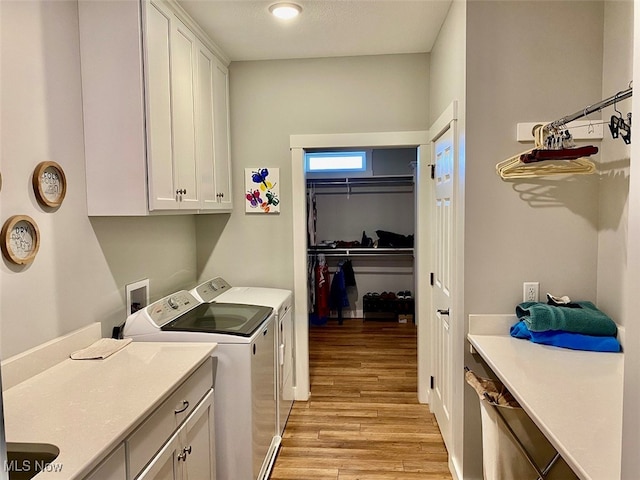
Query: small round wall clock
[[20, 239], [49, 184]]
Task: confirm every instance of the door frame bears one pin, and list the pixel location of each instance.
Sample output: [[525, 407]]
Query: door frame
[[422, 263]]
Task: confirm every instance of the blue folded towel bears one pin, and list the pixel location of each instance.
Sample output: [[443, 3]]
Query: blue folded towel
[[574, 341], [540, 317]]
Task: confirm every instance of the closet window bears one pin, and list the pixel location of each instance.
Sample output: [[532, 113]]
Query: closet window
[[335, 162]]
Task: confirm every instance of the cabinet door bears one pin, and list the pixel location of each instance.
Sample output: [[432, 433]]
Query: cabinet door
[[198, 442], [183, 58], [221, 135], [112, 468], [212, 133], [165, 465], [204, 128], [158, 36]]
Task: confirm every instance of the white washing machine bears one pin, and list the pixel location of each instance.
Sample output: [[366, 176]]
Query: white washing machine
[[219, 291], [245, 382]]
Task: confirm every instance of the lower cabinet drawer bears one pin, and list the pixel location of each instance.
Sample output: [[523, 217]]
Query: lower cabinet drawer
[[146, 441]]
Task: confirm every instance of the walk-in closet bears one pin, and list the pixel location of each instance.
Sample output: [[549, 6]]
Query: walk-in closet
[[361, 229]]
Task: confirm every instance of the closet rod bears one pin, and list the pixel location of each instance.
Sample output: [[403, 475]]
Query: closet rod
[[592, 108]]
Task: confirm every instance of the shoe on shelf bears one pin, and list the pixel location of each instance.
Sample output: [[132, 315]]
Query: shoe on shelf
[[400, 295], [407, 294]]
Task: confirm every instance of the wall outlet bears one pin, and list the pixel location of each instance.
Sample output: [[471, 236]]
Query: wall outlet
[[530, 291]]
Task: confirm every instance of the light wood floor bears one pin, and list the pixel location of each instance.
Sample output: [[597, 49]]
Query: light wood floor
[[363, 420]]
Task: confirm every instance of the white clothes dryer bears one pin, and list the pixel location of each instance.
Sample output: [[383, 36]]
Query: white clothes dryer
[[220, 291], [244, 402]]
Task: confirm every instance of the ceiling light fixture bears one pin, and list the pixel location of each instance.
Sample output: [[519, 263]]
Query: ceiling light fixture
[[285, 10]]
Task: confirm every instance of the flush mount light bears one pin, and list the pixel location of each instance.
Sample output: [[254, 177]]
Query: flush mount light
[[285, 10]]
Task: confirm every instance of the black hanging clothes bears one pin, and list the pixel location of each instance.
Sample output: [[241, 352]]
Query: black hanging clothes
[[338, 296], [349, 275]]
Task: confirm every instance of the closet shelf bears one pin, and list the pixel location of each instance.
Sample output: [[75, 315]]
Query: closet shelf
[[361, 252], [387, 180]]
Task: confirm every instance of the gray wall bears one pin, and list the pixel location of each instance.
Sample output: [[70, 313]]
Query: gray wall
[[544, 229], [614, 163], [271, 100], [79, 274]]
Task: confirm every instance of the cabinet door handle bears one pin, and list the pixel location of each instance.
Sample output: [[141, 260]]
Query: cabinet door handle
[[183, 455], [185, 405], [443, 312]]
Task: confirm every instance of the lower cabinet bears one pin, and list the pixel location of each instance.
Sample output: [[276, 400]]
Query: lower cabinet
[[189, 452], [114, 467], [176, 441]]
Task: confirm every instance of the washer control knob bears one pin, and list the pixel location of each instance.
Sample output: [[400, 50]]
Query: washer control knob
[[172, 303]]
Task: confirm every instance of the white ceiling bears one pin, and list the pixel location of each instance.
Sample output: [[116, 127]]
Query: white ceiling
[[245, 30]]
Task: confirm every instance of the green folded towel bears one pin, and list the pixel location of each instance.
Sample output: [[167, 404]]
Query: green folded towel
[[588, 320]]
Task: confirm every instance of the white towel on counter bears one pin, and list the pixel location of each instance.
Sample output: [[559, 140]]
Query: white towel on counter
[[101, 349]]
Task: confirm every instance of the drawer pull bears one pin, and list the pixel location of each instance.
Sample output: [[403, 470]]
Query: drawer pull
[[185, 405]]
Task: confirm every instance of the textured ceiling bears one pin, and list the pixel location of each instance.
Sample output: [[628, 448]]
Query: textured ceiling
[[245, 30]]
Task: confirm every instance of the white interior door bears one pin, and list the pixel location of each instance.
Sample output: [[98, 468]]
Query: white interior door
[[441, 398]]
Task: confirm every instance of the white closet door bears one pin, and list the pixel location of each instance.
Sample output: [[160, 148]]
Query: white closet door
[[441, 400]]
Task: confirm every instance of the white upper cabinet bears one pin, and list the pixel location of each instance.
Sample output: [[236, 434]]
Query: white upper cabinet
[[154, 138], [212, 131]]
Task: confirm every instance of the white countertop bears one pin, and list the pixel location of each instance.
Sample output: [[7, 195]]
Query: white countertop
[[87, 407], [575, 397]]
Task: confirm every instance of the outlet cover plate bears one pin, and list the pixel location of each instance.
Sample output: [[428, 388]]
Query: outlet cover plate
[[137, 292], [531, 292]]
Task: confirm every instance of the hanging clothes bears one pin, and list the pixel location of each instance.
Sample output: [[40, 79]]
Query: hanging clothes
[[312, 218], [349, 275], [311, 280], [323, 288], [338, 298]]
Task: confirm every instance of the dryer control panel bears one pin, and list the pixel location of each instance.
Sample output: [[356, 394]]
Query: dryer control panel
[[171, 307], [212, 288]]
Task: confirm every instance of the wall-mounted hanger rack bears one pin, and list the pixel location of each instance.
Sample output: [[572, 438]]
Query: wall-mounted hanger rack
[[596, 107], [554, 152]]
